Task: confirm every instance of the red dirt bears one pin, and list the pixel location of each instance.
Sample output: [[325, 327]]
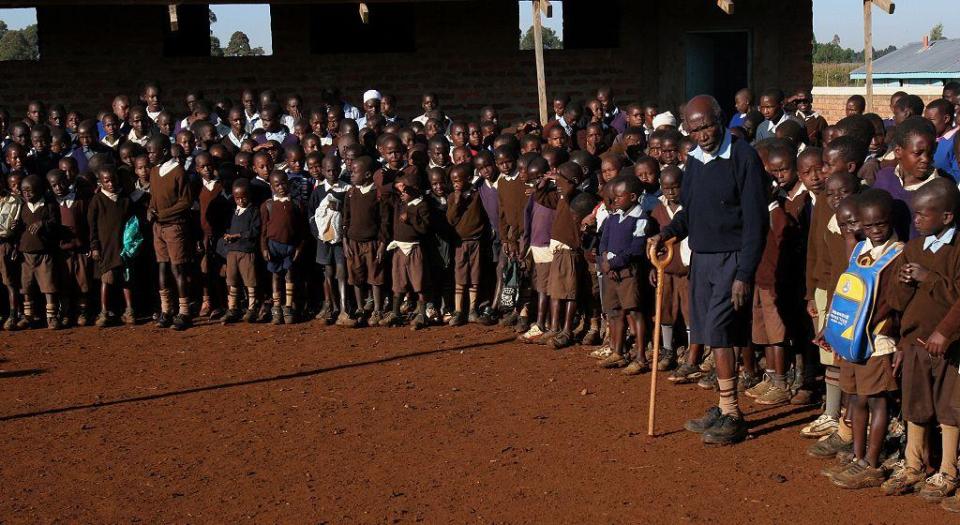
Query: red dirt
[[307, 424]]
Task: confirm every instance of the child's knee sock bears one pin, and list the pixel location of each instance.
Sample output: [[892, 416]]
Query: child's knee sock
[[184, 305], [666, 331], [28, 308], [832, 378], [164, 300], [397, 299], [251, 297], [277, 296], [458, 299], [290, 292], [51, 308], [728, 396], [233, 297], [948, 459], [916, 441]]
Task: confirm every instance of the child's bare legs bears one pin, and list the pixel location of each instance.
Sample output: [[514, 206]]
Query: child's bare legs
[[694, 354], [749, 358], [51, 306], [618, 331], [105, 297], [543, 307], [13, 296], [872, 411], [377, 297], [329, 298], [358, 295], [778, 353], [638, 326]]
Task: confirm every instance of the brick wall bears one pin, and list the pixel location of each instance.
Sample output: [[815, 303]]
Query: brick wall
[[466, 52], [831, 102]]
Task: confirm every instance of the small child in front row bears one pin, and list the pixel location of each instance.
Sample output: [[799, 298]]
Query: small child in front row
[[281, 240], [868, 383], [439, 248], [325, 211], [37, 245], [411, 223], [467, 217], [622, 251], [928, 271], [109, 213], [72, 259], [240, 244], [365, 229]]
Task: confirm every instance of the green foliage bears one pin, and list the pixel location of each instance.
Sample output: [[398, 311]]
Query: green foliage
[[215, 49], [833, 53], [936, 32], [18, 44], [550, 39], [835, 74], [239, 46]]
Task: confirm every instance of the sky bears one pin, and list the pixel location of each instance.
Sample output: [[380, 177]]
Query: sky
[[911, 20]]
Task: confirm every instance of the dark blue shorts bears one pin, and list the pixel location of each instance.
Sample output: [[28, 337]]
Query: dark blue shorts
[[713, 321]]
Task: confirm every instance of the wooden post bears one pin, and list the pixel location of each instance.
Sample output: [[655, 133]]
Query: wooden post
[[868, 50], [538, 51]]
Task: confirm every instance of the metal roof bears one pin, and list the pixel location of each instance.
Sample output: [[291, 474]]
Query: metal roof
[[940, 60]]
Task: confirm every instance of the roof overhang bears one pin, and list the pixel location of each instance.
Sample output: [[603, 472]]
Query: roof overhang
[[911, 76]]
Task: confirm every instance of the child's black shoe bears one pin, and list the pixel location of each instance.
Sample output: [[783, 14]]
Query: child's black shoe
[[232, 316], [276, 314], [181, 322], [728, 430], [289, 317], [164, 320], [704, 423]]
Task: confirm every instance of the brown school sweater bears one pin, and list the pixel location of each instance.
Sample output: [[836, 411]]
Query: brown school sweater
[[74, 232], [466, 215], [171, 195], [44, 240], [766, 276], [833, 260], [385, 177], [365, 216], [283, 222], [815, 244], [513, 200], [417, 222], [933, 305], [565, 227], [662, 218], [215, 210]]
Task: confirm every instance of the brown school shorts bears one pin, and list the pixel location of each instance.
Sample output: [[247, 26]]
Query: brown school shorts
[[362, 264], [874, 377], [928, 385], [466, 268], [407, 271], [676, 299], [9, 268], [37, 268], [242, 269], [566, 274], [621, 292], [768, 327], [541, 277], [73, 270], [171, 243]]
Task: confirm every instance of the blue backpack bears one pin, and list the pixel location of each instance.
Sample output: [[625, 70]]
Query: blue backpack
[[851, 309]]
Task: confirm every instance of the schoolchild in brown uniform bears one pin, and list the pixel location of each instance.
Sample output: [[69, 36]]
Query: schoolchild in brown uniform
[[467, 217], [281, 241], [109, 211], [366, 226], [240, 242], [38, 244], [10, 204], [411, 224], [214, 219], [73, 260], [928, 271], [171, 199]]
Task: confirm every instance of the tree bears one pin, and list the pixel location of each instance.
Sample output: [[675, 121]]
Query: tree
[[215, 49], [18, 44], [239, 46], [936, 33], [550, 39]]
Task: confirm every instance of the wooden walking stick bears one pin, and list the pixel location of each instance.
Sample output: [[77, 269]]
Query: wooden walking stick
[[660, 265]]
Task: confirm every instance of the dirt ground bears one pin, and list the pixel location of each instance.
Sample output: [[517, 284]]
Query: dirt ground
[[309, 424]]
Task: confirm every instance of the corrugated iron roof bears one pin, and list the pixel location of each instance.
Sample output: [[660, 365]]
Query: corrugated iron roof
[[942, 58]]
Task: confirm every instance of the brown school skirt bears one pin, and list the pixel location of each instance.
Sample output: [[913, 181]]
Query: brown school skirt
[[566, 274], [73, 270], [621, 292], [37, 268], [170, 243], [242, 269], [9, 268], [768, 327], [676, 299], [407, 271], [541, 277], [362, 264], [466, 268], [871, 378], [928, 386]]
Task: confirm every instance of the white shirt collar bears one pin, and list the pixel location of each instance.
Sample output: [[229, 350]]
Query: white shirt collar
[[209, 184], [636, 211], [723, 152], [109, 195], [440, 200], [339, 186], [365, 189], [34, 206], [281, 199], [67, 200], [132, 136], [416, 201], [510, 178], [240, 210], [934, 243], [877, 251], [168, 166]]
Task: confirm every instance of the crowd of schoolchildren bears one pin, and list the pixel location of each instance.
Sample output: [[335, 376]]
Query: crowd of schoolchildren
[[265, 211]]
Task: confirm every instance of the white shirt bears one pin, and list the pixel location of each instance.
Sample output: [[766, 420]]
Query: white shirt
[[168, 166], [365, 189], [934, 243], [723, 152], [34, 206]]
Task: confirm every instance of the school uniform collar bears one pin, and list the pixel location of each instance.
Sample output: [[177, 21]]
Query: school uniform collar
[[875, 252], [132, 136], [415, 202], [934, 243], [167, 167], [435, 165], [566, 127], [947, 135], [439, 200], [913, 187], [510, 178], [209, 185], [723, 152], [494, 185], [636, 212], [67, 200], [235, 140], [773, 126], [241, 211], [281, 199], [279, 135], [338, 186], [812, 115], [34, 206], [110, 195], [109, 144], [666, 206], [797, 192], [365, 189]]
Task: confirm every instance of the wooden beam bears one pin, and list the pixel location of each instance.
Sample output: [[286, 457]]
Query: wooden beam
[[538, 51], [887, 5], [868, 50], [726, 6]]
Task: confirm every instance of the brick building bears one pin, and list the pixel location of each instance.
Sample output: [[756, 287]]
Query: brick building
[[465, 50]]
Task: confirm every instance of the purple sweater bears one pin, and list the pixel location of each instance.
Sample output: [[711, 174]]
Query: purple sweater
[[902, 202], [538, 220], [491, 204]]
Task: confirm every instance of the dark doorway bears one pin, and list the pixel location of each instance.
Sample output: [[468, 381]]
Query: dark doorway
[[718, 63]]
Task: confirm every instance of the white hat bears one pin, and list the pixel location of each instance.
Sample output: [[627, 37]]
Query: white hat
[[372, 94], [664, 119]]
